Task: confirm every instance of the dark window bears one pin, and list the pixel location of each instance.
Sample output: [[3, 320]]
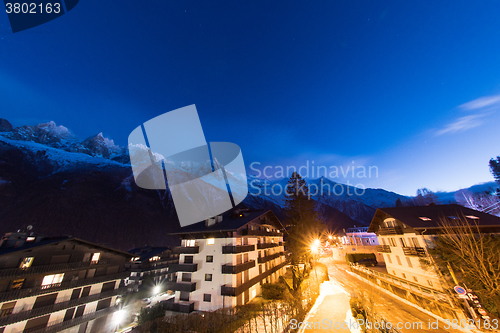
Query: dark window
[[208, 277], [76, 293], [207, 298], [184, 296], [86, 291], [79, 311], [186, 277], [108, 286], [69, 314], [103, 304], [188, 259], [210, 258]]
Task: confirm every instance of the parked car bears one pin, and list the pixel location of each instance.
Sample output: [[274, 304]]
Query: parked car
[[368, 262]]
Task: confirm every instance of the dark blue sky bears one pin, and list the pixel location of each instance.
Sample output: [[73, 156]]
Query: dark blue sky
[[380, 83]]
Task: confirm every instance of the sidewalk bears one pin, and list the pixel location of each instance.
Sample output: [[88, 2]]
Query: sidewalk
[[331, 312]]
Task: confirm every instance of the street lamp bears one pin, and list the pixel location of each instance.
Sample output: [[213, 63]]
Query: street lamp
[[156, 290], [118, 318]]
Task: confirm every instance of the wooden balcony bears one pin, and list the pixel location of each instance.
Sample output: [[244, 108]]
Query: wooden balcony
[[267, 245], [414, 251], [262, 260], [229, 249], [384, 248], [390, 231], [235, 269]]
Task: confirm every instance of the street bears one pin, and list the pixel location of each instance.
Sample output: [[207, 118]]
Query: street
[[332, 307]]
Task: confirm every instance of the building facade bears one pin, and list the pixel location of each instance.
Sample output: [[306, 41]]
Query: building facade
[[154, 263], [406, 233], [223, 261], [58, 284]]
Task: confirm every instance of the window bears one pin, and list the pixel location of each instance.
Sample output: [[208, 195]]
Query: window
[[207, 297], [392, 242], [389, 259], [188, 259], [210, 258], [208, 277], [154, 258], [399, 260], [190, 242], [184, 296], [408, 260], [403, 242], [423, 218], [17, 284], [210, 241], [404, 275], [96, 257], [383, 241], [472, 217], [414, 241], [394, 272], [429, 282], [415, 279], [27, 262], [50, 280]]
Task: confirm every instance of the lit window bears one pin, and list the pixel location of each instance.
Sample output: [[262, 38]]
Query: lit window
[[404, 275], [27, 262], [49, 280], [210, 258], [30, 239], [96, 257], [154, 258], [423, 218], [208, 277], [210, 241], [472, 217], [136, 258], [429, 282], [190, 242]]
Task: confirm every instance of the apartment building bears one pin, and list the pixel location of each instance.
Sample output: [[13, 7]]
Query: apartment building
[[54, 284], [223, 261], [158, 264], [405, 234], [357, 240]]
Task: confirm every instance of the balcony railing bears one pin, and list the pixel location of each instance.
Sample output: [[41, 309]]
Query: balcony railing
[[21, 293], [390, 231], [183, 268], [227, 249], [262, 260], [267, 245], [42, 269], [187, 249], [249, 232], [61, 325], [235, 269], [384, 248], [183, 307], [234, 291], [414, 251], [180, 286], [24, 315]]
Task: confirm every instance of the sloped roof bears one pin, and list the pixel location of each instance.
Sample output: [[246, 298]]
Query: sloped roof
[[229, 223], [147, 252], [51, 240], [412, 216]]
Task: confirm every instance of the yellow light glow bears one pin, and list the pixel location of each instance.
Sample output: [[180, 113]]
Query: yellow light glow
[[210, 241]]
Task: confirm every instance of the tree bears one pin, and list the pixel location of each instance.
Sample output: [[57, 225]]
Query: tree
[[495, 168], [425, 197], [303, 223], [473, 255], [399, 203]]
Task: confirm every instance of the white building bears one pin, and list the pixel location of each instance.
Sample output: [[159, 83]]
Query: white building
[[223, 261], [58, 284], [405, 233]]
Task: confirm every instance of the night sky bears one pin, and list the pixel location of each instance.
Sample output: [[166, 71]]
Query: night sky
[[410, 87]]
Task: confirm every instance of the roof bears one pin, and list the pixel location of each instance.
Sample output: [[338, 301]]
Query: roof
[[147, 252], [432, 216], [51, 240], [230, 222]]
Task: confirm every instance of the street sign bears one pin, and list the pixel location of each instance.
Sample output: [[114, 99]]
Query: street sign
[[460, 290]]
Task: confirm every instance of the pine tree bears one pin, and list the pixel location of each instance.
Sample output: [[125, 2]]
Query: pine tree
[[301, 218], [495, 168], [399, 203]]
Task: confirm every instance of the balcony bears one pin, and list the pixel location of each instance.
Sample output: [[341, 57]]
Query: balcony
[[262, 260], [183, 268], [235, 269], [183, 307], [229, 249], [188, 249], [21, 293], [390, 231], [267, 245], [234, 291], [60, 325], [180, 286], [249, 232], [42, 269], [40, 311], [414, 251], [384, 248]]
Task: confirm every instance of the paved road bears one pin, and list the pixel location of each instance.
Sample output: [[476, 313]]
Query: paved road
[[334, 300]]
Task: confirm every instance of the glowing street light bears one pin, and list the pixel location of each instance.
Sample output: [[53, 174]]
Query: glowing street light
[[119, 317], [156, 290]]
